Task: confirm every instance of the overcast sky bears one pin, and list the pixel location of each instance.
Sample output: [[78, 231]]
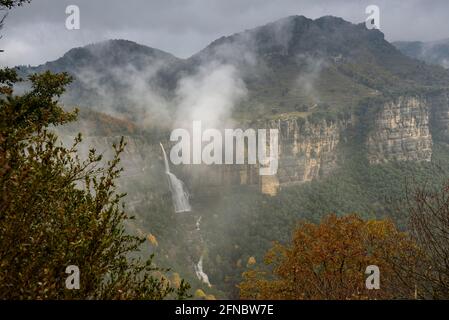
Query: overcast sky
[[36, 32]]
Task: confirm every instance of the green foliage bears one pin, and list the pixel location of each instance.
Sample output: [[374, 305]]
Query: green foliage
[[58, 210], [8, 77], [244, 223]]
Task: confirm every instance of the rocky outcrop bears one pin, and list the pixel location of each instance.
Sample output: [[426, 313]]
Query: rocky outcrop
[[307, 150], [269, 185], [396, 130], [400, 132]]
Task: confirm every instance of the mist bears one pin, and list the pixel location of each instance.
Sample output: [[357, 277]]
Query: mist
[[36, 33], [209, 96]]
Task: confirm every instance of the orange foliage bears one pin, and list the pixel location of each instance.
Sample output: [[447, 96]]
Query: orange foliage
[[328, 261]]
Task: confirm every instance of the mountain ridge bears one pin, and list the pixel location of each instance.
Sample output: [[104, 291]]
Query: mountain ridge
[[299, 84], [432, 52], [290, 65]]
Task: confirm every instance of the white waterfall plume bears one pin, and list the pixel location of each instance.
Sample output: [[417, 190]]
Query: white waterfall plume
[[200, 273], [202, 276], [180, 196]]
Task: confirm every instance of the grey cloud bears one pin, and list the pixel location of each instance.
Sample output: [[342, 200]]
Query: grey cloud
[[36, 33]]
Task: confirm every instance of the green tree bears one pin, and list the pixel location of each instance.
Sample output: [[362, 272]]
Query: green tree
[[58, 210]]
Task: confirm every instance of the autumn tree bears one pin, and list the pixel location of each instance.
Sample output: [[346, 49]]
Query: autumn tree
[[58, 210], [428, 212], [329, 260]]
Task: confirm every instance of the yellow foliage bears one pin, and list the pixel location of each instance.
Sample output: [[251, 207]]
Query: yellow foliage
[[328, 261], [176, 280], [152, 240], [200, 293], [251, 261]]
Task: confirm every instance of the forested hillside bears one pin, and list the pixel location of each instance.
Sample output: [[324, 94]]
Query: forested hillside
[[360, 124]]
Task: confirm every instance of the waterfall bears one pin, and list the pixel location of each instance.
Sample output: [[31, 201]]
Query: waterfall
[[181, 203], [180, 196], [200, 273], [202, 276]]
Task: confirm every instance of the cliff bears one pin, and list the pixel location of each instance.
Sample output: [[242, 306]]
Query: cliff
[[400, 131], [306, 150]]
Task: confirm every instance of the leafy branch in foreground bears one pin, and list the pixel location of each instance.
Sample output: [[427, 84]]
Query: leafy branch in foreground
[[58, 210]]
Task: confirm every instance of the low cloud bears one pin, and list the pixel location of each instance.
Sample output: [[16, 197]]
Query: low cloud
[[210, 95], [311, 68], [36, 33]]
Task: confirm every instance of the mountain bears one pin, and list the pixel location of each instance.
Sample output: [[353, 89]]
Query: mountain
[[433, 52], [356, 118], [104, 55], [107, 73], [294, 64], [321, 82]]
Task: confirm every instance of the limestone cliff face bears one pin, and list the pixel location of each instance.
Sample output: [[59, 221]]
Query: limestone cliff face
[[400, 132], [397, 130], [307, 150]]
